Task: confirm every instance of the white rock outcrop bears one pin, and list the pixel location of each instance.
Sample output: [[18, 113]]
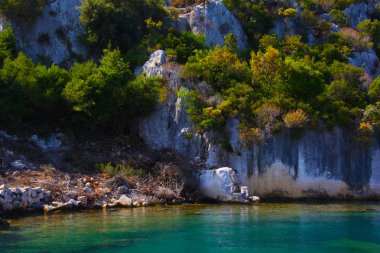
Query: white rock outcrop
[[221, 184], [367, 60], [124, 200], [153, 67], [357, 13], [215, 21]]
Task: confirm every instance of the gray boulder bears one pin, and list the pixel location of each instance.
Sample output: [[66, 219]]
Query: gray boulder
[[124, 200]]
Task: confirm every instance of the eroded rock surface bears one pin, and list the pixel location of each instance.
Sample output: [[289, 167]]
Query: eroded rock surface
[[215, 21], [54, 36]]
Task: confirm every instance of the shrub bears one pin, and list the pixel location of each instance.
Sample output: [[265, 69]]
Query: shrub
[[142, 95], [301, 80], [204, 117], [326, 5], [357, 41], [296, 119], [288, 13], [185, 3], [343, 4], [251, 135], [125, 170], [374, 90], [348, 73], [230, 42], [265, 66], [340, 90], [371, 29], [31, 93], [372, 114], [220, 68], [339, 17], [7, 43], [106, 95], [254, 17], [365, 134], [183, 44]]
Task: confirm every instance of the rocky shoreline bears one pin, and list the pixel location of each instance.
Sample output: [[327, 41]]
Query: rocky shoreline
[[70, 192], [85, 195]]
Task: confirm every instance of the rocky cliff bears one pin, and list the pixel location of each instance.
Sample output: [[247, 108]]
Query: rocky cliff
[[316, 164]]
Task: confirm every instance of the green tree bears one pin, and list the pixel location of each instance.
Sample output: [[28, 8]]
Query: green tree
[[184, 44], [119, 22], [300, 79], [374, 89], [31, 93], [230, 42], [219, 67], [98, 92], [7, 43], [106, 95]]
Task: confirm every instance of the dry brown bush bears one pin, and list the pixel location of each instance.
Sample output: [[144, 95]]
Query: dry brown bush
[[358, 42], [296, 119]]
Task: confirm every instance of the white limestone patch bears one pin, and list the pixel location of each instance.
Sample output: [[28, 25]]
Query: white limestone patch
[[220, 184], [215, 21]]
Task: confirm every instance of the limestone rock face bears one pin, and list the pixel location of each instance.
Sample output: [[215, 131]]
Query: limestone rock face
[[153, 67], [367, 60], [55, 34], [318, 164], [220, 184], [358, 12], [215, 21], [169, 125]]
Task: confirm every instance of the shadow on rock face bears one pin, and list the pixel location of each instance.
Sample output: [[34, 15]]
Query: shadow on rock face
[[4, 225]]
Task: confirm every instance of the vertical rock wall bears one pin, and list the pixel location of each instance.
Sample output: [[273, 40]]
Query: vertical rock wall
[[317, 164]]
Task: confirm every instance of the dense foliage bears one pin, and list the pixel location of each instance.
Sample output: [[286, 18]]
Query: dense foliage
[[23, 11], [88, 94], [299, 77], [288, 81], [121, 23]]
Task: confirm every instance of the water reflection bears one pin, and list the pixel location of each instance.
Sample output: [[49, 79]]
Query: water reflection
[[202, 228]]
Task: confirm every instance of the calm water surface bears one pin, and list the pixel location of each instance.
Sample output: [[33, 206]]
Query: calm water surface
[[264, 228]]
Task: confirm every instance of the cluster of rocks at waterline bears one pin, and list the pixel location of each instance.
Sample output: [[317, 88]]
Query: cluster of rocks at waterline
[[87, 193], [26, 198], [222, 184]]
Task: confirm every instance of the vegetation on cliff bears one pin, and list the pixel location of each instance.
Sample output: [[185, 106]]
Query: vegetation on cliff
[[295, 79]]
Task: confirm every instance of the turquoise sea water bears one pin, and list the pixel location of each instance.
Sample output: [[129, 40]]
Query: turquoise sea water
[[264, 228]]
